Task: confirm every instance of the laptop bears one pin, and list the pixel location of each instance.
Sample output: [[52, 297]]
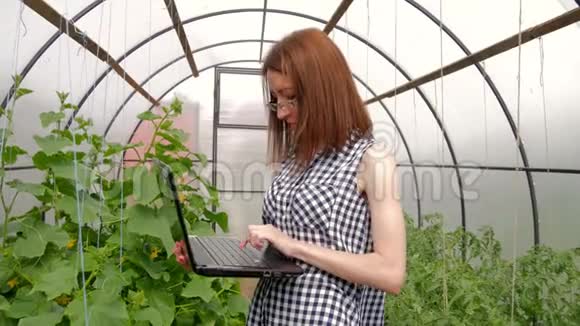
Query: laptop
[[221, 255]]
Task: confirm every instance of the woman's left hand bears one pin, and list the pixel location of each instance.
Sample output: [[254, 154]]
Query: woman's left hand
[[257, 234]]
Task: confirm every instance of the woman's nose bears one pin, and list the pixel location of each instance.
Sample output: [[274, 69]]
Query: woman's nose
[[281, 113]]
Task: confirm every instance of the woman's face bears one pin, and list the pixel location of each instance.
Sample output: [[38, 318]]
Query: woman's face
[[283, 92]]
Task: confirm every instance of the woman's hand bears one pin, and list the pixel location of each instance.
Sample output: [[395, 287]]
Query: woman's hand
[[181, 254], [258, 234]]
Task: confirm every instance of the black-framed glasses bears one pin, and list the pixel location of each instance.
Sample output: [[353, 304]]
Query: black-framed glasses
[[275, 105]]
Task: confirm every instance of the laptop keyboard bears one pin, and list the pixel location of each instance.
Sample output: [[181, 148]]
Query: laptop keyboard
[[226, 251]]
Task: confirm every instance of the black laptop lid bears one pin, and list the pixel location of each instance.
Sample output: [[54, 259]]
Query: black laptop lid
[[169, 188]]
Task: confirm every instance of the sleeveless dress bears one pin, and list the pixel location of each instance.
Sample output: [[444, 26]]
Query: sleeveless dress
[[319, 205]]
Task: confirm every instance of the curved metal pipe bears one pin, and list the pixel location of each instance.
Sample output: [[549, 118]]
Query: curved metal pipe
[[411, 160], [45, 47], [354, 35], [513, 127]]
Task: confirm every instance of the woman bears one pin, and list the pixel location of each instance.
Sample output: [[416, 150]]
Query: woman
[[333, 206]]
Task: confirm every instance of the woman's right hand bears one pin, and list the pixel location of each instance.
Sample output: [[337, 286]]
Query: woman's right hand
[[181, 254]]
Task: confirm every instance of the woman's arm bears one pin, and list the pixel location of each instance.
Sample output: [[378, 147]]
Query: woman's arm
[[384, 268]]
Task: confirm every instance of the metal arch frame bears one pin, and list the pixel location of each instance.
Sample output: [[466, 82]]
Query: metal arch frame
[[417, 6], [118, 111], [356, 36], [46, 46], [145, 41], [342, 29], [263, 29], [407, 149], [509, 118]]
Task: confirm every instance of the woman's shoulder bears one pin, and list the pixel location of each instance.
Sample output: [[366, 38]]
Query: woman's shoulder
[[376, 163]]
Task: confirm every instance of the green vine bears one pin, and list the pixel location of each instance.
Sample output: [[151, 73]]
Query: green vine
[[40, 281], [479, 289]]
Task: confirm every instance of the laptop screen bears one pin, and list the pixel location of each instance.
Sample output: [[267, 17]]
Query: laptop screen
[[168, 188]]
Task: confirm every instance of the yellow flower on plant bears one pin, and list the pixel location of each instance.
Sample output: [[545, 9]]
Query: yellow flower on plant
[[13, 282], [63, 299], [71, 243], [181, 197], [154, 253]]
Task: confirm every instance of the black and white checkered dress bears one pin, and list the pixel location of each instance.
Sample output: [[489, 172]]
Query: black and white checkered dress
[[320, 205]]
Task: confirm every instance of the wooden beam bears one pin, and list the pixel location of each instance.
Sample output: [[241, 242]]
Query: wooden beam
[[344, 4], [67, 27], [178, 26], [509, 43]]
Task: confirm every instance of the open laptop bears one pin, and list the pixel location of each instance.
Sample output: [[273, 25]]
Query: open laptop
[[221, 255]]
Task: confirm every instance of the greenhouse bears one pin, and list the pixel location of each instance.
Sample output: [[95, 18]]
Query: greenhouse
[[435, 143]]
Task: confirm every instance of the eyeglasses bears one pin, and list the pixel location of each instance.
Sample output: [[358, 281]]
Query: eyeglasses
[[275, 105]]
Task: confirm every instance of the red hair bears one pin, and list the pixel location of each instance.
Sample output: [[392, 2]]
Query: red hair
[[329, 106]]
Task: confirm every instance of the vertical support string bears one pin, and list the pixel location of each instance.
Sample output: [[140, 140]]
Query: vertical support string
[[485, 117], [543, 87], [150, 33], [444, 240], [103, 120], [396, 23], [10, 108], [518, 142], [79, 210], [122, 164], [367, 48]]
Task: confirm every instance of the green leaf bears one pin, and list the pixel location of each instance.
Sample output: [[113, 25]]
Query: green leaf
[[4, 304], [176, 106], [25, 305], [90, 208], [143, 220], [145, 186], [202, 159], [60, 280], [175, 137], [113, 149], [220, 218], [153, 268], [38, 234], [202, 229], [137, 298], [5, 321], [66, 169], [237, 304], [169, 213], [52, 143], [199, 287], [104, 310], [32, 188], [149, 314], [83, 123], [44, 319], [112, 280], [62, 96], [21, 92], [53, 234], [70, 106], [48, 118], [160, 300], [148, 115], [197, 201], [31, 246], [166, 124], [11, 153]]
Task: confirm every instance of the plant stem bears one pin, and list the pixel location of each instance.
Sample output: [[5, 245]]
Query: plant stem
[[174, 285], [186, 305], [229, 290], [157, 126], [91, 277]]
